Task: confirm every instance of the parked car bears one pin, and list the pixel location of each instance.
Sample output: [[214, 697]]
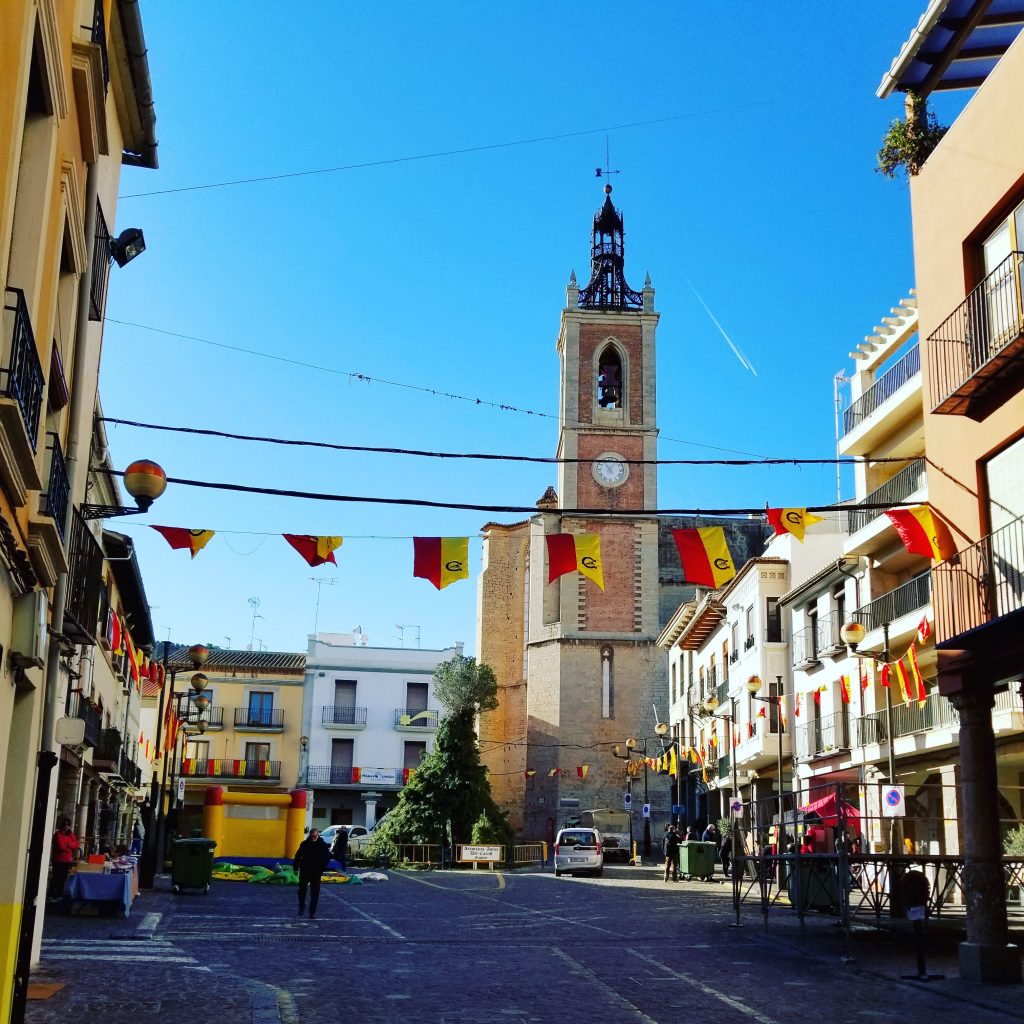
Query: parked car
[[360, 838], [328, 834], [579, 850]]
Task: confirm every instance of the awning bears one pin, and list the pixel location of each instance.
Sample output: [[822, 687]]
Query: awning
[[825, 808]]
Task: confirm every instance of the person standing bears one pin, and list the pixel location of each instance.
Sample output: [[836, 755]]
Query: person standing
[[62, 856], [726, 852], [339, 848], [310, 861], [672, 853]]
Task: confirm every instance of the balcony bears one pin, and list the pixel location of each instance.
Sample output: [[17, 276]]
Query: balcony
[[823, 736], [228, 768], [259, 719], [748, 643], [907, 599], [46, 527], [89, 714], [100, 267], [892, 399], [355, 777], [212, 715], [805, 648], [85, 572], [910, 480], [976, 356], [415, 719], [129, 771], [107, 755], [342, 717], [816, 641], [21, 400]]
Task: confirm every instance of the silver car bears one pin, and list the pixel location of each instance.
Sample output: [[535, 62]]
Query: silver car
[[579, 850]]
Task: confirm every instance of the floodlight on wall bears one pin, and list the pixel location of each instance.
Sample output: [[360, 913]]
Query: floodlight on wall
[[129, 244]]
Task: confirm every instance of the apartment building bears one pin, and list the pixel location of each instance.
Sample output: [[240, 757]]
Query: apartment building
[[75, 104], [967, 205], [370, 716]]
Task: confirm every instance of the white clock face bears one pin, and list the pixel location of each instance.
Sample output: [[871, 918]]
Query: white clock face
[[609, 470]]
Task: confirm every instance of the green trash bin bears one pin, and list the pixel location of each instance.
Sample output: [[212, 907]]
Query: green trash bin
[[818, 889], [697, 859], [192, 865]]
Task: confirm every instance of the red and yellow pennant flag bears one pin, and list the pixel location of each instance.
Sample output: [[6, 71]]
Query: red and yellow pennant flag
[[844, 682], [917, 682], [903, 677], [705, 556], [180, 538], [579, 552], [762, 712], [442, 560], [863, 679], [923, 532], [315, 550], [924, 630], [115, 634], [796, 706], [581, 772], [791, 520], [407, 774], [552, 772], [357, 774], [530, 772], [782, 713], [673, 764]]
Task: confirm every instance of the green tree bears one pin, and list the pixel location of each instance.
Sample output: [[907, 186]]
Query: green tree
[[449, 794]]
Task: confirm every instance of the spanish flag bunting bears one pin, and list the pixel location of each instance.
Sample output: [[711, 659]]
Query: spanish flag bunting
[[705, 556], [791, 520], [915, 674], [924, 630], [885, 676], [923, 532], [673, 764], [762, 712], [213, 766], [147, 750], [441, 560], [357, 774], [581, 772], [530, 772], [180, 538], [844, 682], [817, 695], [265, 769], [782, 713], [750, 729], [116, 634], [903, 677], [863, 678], [580, 552], [796, 706], [140, 739], [186, 765], [552, 772], [315, 550]]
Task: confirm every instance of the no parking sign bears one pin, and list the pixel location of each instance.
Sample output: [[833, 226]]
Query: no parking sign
[[736, 807], [893, 802]]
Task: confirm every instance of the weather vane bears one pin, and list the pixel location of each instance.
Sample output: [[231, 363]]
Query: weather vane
[[607, 172]]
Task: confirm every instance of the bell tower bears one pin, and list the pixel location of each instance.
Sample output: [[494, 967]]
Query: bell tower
[[607, 383]]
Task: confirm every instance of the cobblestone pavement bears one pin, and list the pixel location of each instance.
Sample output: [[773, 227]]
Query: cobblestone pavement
[[469, 947]]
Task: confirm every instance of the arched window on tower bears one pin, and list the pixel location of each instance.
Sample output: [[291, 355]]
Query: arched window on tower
[[607, 702], [609, 379]]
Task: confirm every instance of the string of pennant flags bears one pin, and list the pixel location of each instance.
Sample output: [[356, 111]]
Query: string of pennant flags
[[703, 551]]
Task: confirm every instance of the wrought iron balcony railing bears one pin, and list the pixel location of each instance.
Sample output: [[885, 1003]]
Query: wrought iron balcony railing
[[109, 748], [902, 371], [353, 775], [980, 584], [228, 768], [260, 718], [98, 35], [976, 342], [417, 718], [85, 578], [342, 714], [53, 502], [100, 266], [908, 480], [823, 735], [89, 714], [804, 646], [23, 375], [903, 600]]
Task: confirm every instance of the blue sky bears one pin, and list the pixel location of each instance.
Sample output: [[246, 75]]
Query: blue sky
[[449, 273]]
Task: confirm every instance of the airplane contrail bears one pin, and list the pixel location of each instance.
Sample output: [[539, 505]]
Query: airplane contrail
[[744, 361]]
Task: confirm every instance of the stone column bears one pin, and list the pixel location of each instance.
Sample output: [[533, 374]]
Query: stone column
[[370, 799], [985, 956]]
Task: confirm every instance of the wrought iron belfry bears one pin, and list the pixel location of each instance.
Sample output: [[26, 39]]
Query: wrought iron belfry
[[607, 288]]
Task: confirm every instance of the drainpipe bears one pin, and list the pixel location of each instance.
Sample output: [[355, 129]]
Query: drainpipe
[[48, 758]]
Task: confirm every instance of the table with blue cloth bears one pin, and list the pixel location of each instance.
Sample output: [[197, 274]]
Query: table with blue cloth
[[113, 891]]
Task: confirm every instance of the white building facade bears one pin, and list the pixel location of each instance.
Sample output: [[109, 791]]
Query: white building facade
[[369, 716]]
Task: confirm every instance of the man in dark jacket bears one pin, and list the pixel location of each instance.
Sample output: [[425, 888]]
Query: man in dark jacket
[[310, 861], [671, 846], [339, 848]]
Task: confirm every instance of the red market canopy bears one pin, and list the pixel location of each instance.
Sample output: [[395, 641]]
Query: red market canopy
[[825, 808]]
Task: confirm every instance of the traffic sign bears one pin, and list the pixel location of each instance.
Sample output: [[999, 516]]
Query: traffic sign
[[647, 810], [627, 801], [181, 789], [736, 807], [893, 805]]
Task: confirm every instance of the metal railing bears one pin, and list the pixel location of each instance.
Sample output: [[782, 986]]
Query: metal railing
[[227, 768], [98, 35], [89, 714], [749, 642], [329, 775], [910, 597], [109, 747], [805, 646], [129, 771], [53, 502], [724, 767], [527, 853], [902, 371], [975, 333], [260, 718], [23, 375], [85, 578], [350, 775], [421, 718], [908, 480], [981, 583], [823, 735], [342, 714], [212, 715], [100, 266]]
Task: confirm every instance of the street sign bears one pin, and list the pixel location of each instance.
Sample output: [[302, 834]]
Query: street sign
[[181, 789], [647, 810], [627, 801], [736, 807], [893, 805]]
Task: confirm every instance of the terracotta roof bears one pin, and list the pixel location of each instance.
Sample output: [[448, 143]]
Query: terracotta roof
[[222, 659], [708, 615]]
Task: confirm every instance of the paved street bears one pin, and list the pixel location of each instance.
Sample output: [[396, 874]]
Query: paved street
[[482, 946]]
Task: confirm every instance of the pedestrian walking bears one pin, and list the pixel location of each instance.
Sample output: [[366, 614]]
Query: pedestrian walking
[[339, 848], [64, 847], [671, 847], [138, 835], [310, 861], [691, 834], [726, 852]]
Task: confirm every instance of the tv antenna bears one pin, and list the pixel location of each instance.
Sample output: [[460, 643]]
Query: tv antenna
[[254, 603], [320, 581], [402, 627], [607, 172]]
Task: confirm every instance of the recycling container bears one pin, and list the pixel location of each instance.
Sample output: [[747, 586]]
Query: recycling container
[[697, 859], [818, 889], [192, 866]]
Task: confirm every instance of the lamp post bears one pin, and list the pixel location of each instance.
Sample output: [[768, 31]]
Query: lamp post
[[710, 706], [754, 686], [852, 634]]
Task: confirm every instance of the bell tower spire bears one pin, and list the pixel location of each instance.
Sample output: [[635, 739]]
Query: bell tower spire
[[607, 288]]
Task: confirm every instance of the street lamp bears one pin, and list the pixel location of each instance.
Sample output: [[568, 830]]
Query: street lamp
[[754, 686], [144, 480], [711, 706]]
